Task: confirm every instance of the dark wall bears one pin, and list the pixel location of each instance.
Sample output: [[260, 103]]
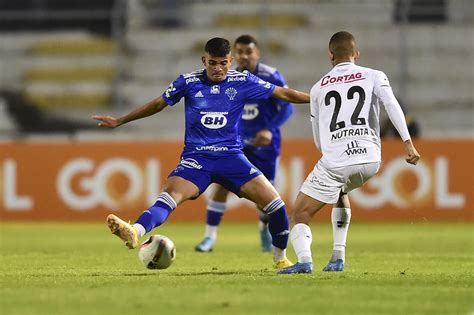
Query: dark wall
[[38, 9]]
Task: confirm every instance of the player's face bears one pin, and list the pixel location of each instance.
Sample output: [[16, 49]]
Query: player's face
[[216, 67], [246, 56]]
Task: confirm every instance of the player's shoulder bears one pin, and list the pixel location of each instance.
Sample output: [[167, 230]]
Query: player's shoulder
[[191, 77], [371, 71], [270, 74], [265, 70]]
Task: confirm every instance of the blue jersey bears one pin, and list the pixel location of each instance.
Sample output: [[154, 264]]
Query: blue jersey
[[213, 109], [268, 114]]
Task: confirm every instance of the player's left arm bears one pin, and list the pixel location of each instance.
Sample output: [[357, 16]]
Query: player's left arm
[[150, 108], [384, 91], [290, 95]]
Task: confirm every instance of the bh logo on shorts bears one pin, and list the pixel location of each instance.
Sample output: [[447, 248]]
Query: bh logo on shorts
[[250, 111], [214, 120]]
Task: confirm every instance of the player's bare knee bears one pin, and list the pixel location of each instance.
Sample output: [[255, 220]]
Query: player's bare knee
[[300, 216]]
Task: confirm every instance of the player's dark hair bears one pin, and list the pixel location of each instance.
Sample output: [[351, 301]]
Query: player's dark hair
[[217, 47], [342, 44], [246, 40]]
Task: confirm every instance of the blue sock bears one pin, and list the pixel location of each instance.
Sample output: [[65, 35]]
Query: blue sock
[[278, 223], [157, 214], [215, 211]]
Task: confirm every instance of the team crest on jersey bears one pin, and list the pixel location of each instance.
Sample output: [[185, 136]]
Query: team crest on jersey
[[231, 93], [215, 89]]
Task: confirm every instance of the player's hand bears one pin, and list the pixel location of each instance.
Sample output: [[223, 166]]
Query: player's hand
[[412, 154], [107, 121], [263, 138]]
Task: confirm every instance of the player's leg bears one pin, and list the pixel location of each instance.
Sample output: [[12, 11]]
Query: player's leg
[[301, 237], [266, 160], [320, 187], [340, 218], [261, 192], [264, 231], [354, 177], [215, 210], [176, 190]]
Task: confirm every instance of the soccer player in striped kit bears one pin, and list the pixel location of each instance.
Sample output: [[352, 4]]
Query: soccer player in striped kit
[[214, 99], [345, 119], [260, 133]]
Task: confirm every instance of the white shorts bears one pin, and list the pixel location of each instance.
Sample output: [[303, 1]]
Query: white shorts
[[325, 184]]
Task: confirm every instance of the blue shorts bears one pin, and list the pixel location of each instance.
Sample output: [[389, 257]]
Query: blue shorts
[[231, 171], [264, 158]]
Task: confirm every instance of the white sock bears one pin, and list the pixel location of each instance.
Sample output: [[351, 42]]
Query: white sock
[[340, 218], [211, 231], [301, 239], [140, 229], [278, 254]]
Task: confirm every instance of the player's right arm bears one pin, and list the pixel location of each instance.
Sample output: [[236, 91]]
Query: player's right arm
[[290, 95], [384, 92], [150, 108], [171, 96]]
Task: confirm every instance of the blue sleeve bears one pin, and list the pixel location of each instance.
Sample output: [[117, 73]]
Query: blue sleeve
[[175, 91], [284, 112], [258, 89], [285, 109]]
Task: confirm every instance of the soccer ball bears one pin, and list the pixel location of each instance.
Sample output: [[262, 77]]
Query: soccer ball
[[157, 252]]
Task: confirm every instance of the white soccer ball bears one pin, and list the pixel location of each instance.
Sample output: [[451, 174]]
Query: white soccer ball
[[157, 252]]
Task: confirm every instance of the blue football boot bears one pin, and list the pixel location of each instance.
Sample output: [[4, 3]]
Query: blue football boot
[[297, 268], [334, 265], [205, 246]]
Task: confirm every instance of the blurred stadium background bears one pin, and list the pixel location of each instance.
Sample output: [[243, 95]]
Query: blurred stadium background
[[63, 61]]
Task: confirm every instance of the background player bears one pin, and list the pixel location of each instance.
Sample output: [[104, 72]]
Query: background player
[[214, 101], [345, 119], [260, 133]]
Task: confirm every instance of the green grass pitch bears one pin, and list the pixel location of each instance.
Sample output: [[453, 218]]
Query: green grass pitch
[[81, 268]]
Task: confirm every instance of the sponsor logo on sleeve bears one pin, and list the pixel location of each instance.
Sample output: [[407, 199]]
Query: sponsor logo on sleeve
[[193, 79], [170, 90]]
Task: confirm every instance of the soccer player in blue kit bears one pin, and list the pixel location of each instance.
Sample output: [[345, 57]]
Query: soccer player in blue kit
[[260, 133], [214, 99]]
